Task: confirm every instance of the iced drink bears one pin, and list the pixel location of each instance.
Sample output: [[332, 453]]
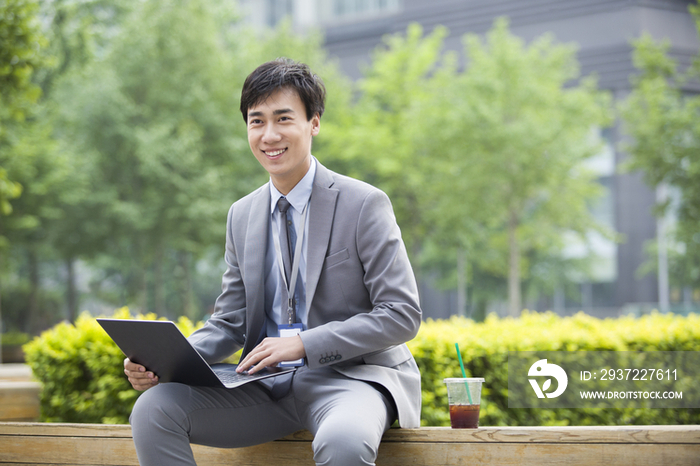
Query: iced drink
[[464, 416], [464, 407]]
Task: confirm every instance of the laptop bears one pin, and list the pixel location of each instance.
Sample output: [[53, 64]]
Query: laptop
[[159, 346]]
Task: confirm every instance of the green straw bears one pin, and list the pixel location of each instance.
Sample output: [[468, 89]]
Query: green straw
[[464, 374]]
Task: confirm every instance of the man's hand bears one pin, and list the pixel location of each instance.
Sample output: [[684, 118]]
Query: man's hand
[[140, 378], [271, 351]]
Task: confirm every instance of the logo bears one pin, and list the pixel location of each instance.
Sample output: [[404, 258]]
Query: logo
[[542, 368]]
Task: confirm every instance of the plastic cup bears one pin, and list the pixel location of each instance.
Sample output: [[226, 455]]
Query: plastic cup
[[463, 413]]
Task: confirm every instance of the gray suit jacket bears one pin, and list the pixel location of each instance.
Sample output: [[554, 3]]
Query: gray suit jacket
[[360, 289]]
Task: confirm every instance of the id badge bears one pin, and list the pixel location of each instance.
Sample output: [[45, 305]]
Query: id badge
[[290, 331]]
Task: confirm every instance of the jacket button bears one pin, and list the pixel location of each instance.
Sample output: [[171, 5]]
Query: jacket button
[[337, 357], [322, 360]]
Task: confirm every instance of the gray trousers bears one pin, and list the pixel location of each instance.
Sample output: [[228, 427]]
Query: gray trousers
[[346, 417]]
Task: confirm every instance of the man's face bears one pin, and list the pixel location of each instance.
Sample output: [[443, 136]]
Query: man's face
[[280, 137]]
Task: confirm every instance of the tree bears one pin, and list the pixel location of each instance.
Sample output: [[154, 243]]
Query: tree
[[156, 124], [154, 121], [522, 134], [135, 150], [486, 163], [21, 42], [42, 225], [663, 123]]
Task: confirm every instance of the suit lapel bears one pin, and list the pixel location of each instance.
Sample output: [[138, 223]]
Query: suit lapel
[[321, 214], [254, 264]]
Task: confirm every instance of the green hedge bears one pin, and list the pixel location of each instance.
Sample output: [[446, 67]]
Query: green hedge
[[485, 348], [14, 338], [83, 380], [82, 371]]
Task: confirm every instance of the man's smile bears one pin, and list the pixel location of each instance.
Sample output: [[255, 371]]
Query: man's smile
[[275, 152]]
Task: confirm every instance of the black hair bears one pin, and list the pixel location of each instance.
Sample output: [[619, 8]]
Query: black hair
[[277, 74]]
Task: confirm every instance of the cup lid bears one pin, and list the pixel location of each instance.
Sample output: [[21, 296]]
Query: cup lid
[[460, 379]]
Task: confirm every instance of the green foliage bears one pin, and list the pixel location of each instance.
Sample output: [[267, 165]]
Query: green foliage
[[135, 152], [377, 142], [8, 190], [153, 121], [664, 125], [21, 42], [156, 122], [14, 338], [485, 348], [517, 129], [488, 159], [82, 371]]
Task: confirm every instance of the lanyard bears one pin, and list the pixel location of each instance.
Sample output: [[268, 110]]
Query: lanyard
[[295, 263]]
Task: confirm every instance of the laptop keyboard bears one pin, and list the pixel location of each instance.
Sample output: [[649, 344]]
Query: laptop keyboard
[[228, 377]]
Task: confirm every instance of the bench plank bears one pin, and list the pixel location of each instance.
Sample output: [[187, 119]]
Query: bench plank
[[90, 444], [547, 434], [478, 454], [51, 429], [550, 434]]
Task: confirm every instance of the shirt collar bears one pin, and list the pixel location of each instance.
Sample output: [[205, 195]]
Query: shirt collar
[[299, 196]]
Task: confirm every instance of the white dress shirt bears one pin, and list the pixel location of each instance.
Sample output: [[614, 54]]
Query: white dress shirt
[[275, 309]]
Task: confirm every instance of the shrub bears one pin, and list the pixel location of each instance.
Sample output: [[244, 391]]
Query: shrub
[[82, 371], [485, 348]]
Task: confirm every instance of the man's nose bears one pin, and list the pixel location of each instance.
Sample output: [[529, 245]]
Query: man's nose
[[270, 134]]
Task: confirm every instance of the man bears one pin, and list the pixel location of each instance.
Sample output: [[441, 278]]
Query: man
[[354, 303]]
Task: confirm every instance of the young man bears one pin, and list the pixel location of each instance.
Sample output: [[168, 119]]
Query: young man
[[354, 303]]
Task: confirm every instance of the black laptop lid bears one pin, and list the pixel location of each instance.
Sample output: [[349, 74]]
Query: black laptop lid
[[159, 346]]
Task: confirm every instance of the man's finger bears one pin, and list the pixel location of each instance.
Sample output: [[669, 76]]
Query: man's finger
[[272, 351], [139, 378], [132, 366], [261, 363], [139, 382], [139, 375], [252, 358]]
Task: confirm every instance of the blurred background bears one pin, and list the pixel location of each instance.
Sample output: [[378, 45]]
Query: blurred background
[[540, 154]]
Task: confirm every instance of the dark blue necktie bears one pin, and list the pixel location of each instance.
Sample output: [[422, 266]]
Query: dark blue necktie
[[285, 241]]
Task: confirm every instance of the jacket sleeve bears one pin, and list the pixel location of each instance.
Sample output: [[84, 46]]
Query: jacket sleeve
[[388, 312], [224, 333]]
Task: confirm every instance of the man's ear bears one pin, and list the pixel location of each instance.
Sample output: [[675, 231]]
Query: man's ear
[[315, 125]]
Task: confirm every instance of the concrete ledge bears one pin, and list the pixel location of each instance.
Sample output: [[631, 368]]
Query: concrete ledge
[[15, 372], [19, 401], [19, 393], [95, 444]]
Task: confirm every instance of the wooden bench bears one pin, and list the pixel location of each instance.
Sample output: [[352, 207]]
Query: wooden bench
[[94, 444]]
